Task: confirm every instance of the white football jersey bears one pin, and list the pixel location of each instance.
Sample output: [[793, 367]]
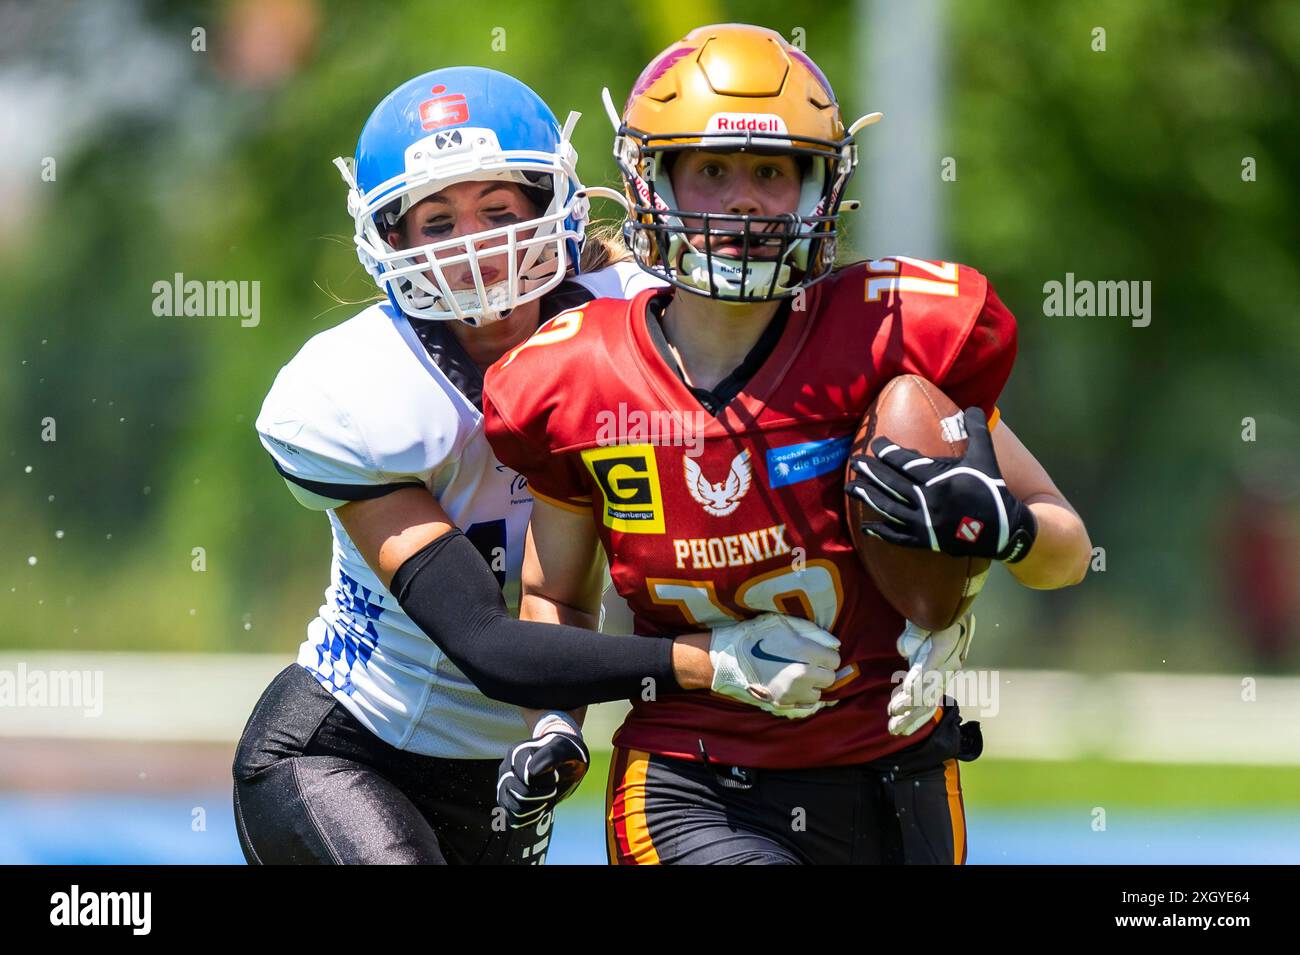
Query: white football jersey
[[365, 406]]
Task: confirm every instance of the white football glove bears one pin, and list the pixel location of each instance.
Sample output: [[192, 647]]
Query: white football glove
[[775, 662], [933, 659]]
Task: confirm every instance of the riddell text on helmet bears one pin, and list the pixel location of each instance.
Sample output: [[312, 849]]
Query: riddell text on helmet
[[745, 123]]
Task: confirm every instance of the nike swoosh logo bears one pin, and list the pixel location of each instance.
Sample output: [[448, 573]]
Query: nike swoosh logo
[[758, 652]]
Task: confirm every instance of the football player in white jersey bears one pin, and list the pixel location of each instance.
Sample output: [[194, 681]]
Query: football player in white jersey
[[382, 742]]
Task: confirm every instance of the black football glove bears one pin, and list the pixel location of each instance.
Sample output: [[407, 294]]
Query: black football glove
[[539, 773], [958, 506]]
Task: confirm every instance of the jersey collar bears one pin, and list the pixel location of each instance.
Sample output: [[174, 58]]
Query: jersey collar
[[745, 407]]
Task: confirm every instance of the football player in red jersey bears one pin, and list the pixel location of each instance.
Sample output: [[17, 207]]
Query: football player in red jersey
[[735, 159]]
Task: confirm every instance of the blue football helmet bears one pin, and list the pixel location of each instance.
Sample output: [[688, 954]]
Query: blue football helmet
[[465, 124]]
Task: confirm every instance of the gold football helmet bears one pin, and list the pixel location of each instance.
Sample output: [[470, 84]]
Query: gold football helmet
[[734, 87]]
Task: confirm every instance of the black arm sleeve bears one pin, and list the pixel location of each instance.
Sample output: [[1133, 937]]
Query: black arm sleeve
[[452, 596]]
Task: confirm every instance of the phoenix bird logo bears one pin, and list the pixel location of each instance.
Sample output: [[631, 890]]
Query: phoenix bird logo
[[724, 497]]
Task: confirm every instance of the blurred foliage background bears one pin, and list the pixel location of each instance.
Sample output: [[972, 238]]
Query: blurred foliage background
[[215, 163]]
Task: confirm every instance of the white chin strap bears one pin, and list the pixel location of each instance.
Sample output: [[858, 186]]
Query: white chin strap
[[730, 276], [494, 305]]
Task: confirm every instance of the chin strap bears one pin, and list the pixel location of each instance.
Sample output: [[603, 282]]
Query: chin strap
[[757, 275]]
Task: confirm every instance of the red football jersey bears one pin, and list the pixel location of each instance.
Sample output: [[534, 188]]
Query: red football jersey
[[747, 515]]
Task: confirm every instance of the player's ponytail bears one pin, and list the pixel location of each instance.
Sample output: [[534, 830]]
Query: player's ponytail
[[604, 246]]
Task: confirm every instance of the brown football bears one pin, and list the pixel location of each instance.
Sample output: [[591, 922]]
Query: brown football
[[930, 589]]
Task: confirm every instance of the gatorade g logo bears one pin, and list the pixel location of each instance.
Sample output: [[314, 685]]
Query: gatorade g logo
[[629, 480]]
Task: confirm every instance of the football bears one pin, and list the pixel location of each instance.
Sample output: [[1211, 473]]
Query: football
[[932, 590]]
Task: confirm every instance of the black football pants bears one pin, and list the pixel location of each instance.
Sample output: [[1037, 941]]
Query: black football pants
[[903, 809], [314, 786]]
